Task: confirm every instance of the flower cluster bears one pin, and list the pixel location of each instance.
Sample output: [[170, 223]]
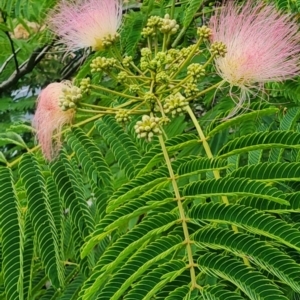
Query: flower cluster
[[70, 95], [148, 127], [102, 64], [49, 118], [249, 45], [262, 44], [175, 104], [86, 23], [122, 116], [163, 25], [85, 84]]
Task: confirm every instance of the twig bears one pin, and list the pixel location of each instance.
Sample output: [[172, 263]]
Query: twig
[[8, 60], [13, 51], [26, 67]]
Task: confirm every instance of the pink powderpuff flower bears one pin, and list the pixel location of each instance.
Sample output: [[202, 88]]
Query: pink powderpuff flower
[[49, 119], [86, 23], [262, 46]]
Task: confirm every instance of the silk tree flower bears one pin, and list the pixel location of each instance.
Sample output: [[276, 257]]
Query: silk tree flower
[[50, 118], [262, 46], [86, 23]]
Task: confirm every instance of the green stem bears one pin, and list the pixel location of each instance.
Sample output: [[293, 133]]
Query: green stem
[[190, 56], [179, 36], [95, 111], [220, 83], [155, 45], [101, 88], [209, 61], [137, 69], [149, 42], [172, 12], [183, 218], [210, 156], [164, 46], [98, 106]]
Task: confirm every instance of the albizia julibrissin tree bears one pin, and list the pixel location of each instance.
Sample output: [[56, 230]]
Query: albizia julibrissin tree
[[144, 201]]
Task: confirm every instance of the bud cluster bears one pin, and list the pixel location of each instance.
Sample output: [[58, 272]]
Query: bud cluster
[[150, 97], [164, 25], [122, 116], [204, 32], [69, 97], [110, 39], [162, 77], [175, 104], [196, 70], [148, 127], [168, 25], [218, 49], [102, 64], [122, 76], [134, 88], [190, 88], [163, 82], [154, 22], [126, 61], [85, 84]]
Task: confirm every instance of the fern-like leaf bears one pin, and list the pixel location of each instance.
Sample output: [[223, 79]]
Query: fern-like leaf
[[42, 218], [261, 140], [249, 219], [122, 146], [262, 254], [11, 238], [252, 283], [234, 186]]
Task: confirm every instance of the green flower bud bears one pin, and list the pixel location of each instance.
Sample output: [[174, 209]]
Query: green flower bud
[[218, 49], [204, 32], [148, 127]]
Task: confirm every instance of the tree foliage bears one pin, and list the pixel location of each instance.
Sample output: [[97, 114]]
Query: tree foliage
[[117, 217]]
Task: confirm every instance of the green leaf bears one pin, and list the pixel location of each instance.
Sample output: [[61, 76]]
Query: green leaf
[[243, 118], [219, 292], [138, 264], [269, 172], [123, 247], [190, 11], [91, 159], [155, 156], [251, 282], [12, 138], [232, 187], [122, 146], [42, 218], [250, 219], [70, 188], [11, 238], [261, 140], [265, 205], [136, 187], [155, 280], [28, 258], [261, 253], [2, 157]]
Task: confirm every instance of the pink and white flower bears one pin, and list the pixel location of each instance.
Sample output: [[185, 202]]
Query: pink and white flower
[[49, 119], [86, 23], [262, 45]]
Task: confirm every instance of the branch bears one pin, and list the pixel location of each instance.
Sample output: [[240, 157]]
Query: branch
[[13, 51], [26, 67], [8, 60]]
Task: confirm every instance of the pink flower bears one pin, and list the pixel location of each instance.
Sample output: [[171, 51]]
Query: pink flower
[[86, 23], [50, 118], [262, 45]]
